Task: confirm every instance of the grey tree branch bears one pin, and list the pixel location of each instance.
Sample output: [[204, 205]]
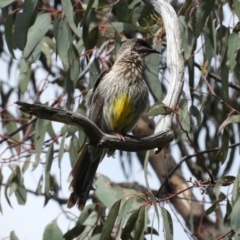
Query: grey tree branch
[[175, 61], [96, 136]]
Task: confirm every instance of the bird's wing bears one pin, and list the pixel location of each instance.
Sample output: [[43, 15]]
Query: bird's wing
[[95, 102]]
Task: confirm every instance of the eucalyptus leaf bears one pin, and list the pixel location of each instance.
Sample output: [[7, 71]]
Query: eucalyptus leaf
[[53, 232]]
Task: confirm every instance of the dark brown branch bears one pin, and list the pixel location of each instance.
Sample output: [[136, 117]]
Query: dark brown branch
[[94, 133], [190, 156]]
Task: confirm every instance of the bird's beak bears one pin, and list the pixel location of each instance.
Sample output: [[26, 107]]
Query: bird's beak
[[153, 51], [146, 51]]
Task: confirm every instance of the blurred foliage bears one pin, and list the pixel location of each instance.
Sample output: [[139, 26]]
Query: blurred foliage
[[71, 42]]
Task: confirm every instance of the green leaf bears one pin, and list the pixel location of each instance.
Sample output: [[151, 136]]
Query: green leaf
[[90, 224], [61, 151], [152, 74], [168, 224], [26, 164], [36, 33], [94, 72], [107, 193], [226, 219], [139, 226], [150, 230], [53, 232], [134, 3], [73, 150], [35, 54], [13, 236], [21, 194], [109, 223], [77, 230], [188, 38], [233, 47], [68, 10], [51, 131], [4, 3], [1, 180], [49, 160], [121, 27], [136, 15], [39, 185], [9, 33], [24, 74], [235, 217], [231, 119], [96, 236], [74, 65], [40, 131], [212, 208], [23, 21], [11, 126], [46, 46], [158, 108], [121, 11], [93, 37], [237, 7], [185, 116], [118, 43], [195, 113], [150, 194], [222, 153], [123, 216], [130, 225], [63, 40], [203, 11], [217, 188], [236, 189]]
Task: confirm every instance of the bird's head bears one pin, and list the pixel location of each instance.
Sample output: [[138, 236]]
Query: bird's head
[[137, 45]]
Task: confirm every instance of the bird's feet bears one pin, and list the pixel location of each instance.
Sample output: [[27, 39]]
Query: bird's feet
[[118, 135]]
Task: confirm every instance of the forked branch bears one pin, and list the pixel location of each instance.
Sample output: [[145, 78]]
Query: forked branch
[[96, 136]]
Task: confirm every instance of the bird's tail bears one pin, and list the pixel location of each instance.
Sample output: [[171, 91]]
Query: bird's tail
[[83, 174]]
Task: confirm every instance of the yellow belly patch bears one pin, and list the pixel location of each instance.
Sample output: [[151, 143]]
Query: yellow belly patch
[[120, 111]]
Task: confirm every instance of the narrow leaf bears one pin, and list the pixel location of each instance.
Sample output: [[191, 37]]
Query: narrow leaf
[[231, 119], [123, 216], [4, 3], [212, 208], [139, 226], [9, 33], [233, 47], [237, 7], [40, 131], [108, 194], [68, 10], [236, 189], [49, 160], [153, 199], [23, 21], [36, 33], [168, 224], [13, 236], [109, 223], [222, 153], [130, 225], [235, 217], [158, 108], [61, 151], [24, 74]]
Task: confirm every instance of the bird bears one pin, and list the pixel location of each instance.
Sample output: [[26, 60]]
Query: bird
[[115, 104]]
